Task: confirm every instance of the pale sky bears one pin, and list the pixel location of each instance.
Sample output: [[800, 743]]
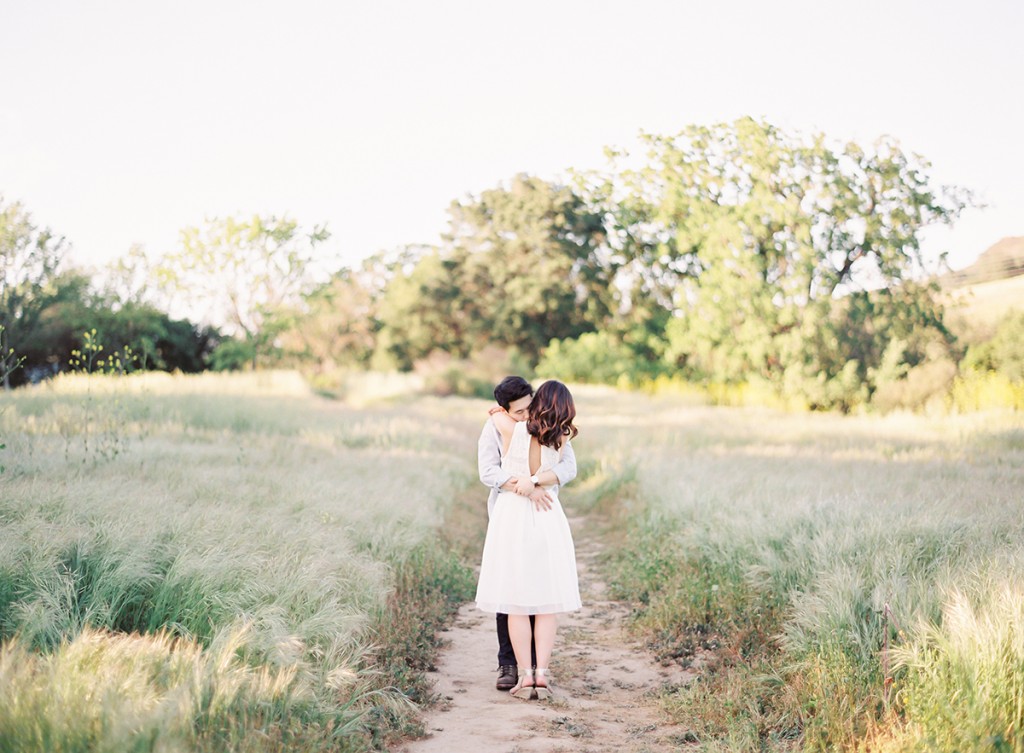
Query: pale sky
[[122, 122]]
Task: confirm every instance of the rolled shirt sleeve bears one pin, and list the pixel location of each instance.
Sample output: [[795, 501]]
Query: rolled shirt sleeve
[[565, 469], [488, 458]]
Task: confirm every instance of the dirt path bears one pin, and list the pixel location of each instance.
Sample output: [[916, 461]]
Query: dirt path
[[604, 684]]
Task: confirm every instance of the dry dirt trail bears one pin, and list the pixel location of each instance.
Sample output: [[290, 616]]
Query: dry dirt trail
[[604, 684]]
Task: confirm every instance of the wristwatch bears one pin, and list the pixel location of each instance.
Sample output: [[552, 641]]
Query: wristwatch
[[534, 479]]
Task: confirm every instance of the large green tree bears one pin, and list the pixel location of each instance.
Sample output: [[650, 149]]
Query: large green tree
[[245, 276], [749, 235], [521, 264], [31, 260], [337, 324], [424, 309], [158, 341]]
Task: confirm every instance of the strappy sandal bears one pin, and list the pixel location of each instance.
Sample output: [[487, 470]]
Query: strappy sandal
[[543, 691], [523, 691]]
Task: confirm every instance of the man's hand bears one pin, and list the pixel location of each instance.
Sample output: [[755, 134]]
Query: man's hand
[[541, 499], [524, 487]]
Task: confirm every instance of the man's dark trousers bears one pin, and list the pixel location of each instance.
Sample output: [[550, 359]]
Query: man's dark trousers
[[506, 656]]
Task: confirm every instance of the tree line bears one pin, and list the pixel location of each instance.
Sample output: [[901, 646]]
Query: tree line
[[728, 255]]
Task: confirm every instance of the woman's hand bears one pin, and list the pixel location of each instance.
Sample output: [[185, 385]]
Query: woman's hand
[[524, 487], [541, 499]]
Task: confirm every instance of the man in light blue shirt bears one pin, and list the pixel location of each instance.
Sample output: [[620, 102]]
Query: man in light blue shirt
[[513, 394]]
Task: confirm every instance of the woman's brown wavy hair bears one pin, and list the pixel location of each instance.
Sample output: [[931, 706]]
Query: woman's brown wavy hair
[[551, 414]]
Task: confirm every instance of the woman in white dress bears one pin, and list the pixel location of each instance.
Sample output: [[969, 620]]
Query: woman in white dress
[[529, 561]]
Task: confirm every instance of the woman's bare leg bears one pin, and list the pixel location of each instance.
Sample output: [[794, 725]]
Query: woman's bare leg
[[520, 634], [544, 628]]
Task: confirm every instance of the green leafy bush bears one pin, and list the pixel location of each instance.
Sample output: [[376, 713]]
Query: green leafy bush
[[232, 355], [593, 357], [1003, 353]]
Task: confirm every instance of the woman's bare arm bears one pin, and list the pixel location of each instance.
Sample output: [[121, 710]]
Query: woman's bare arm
[[505, 424]]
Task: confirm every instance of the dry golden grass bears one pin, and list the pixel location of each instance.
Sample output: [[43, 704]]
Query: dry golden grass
[[775, 544], [240, 544], [261, 526], [976, 310]]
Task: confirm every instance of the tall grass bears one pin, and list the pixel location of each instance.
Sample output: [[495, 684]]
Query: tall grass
[[963, 687], [262, 569], [236, 578], [783, 553]]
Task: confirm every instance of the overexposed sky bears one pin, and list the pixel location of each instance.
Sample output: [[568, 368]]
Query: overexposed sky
[[122, 122]]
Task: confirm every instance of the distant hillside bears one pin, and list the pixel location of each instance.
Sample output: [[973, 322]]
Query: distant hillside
[[974, 310], [1004, 259]]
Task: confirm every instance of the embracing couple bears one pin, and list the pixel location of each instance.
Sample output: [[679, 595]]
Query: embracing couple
[[528, 573]]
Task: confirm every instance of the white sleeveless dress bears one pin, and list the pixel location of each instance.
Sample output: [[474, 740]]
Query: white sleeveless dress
[[529, 561]]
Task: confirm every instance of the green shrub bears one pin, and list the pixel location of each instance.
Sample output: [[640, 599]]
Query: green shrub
[[232, 355], [1008, 347], [593, 357], [844, 391]]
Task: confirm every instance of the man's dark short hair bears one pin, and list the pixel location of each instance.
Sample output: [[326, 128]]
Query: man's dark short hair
[[511, 388]]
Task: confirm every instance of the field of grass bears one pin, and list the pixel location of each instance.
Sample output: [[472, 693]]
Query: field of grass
[[843, 583], [212, 563], [231, 562]]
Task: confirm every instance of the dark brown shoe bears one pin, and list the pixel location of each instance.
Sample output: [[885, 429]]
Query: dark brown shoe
[[508, 676]]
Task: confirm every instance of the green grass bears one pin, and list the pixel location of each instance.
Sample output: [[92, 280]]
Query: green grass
[[245, 572], [765, 547], [256, 568]]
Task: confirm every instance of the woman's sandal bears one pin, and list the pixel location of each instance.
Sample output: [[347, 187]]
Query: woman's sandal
[[543, 691], [523, 691]]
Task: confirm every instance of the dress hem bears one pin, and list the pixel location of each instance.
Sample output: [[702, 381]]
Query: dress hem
[[519, 609]]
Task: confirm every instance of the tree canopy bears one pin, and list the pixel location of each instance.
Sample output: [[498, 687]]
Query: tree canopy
[[244, 273], [751, 237], [31, 259], [724, 254], [521, 264]]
